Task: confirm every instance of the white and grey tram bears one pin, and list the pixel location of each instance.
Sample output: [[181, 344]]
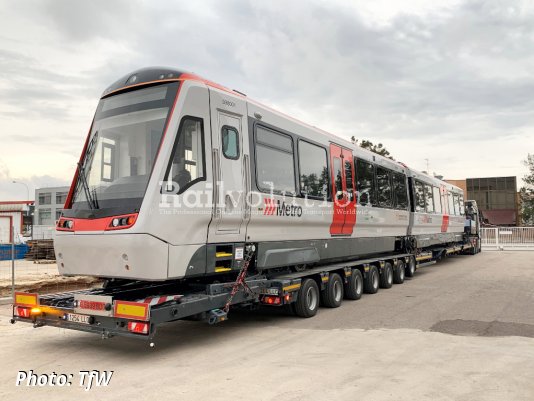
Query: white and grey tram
[[179, 173]]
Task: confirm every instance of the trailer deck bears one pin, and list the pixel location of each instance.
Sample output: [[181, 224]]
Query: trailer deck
[[136, 308]]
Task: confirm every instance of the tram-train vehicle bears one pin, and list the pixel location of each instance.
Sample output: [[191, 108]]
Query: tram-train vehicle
[[178, 173]]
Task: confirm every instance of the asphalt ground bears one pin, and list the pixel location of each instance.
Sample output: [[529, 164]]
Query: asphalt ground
[[459, 330]]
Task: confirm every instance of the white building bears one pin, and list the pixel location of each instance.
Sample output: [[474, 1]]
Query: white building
[[12, 220], [49, 204]]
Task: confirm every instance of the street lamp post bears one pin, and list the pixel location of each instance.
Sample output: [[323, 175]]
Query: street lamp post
[[27, 189]]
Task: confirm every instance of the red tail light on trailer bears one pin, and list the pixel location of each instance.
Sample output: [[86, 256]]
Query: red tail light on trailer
[[271, 300]]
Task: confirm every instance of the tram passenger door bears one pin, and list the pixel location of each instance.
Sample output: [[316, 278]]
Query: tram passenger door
[[229, 157], [344, 199]]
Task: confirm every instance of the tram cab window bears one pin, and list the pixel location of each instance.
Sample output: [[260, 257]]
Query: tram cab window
[[420, 202], [187, 160], [275, 169], [365, 183], [437, 200], [451, 203], [399, 188], [383, 184], [314, 180], [429, 199]]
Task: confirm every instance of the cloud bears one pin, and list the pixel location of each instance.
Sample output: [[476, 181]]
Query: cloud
[[453, 74]]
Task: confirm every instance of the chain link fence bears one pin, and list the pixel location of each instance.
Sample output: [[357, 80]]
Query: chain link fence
[[35, 268]]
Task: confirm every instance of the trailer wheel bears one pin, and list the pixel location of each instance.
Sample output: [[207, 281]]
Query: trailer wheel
[[386, 278], [354, 286], [372, 280], [410, 267], [398, 275], [308, 299], [332, 295]]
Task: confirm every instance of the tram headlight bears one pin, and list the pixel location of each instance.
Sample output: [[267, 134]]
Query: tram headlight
[[121, 222]]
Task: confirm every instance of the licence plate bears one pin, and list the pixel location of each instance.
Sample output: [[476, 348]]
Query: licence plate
[[74, 317]]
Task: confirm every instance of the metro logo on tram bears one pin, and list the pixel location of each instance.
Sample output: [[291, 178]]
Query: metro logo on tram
[[276, 208]]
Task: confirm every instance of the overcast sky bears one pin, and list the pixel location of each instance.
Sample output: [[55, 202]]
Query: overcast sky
[[452, 83]]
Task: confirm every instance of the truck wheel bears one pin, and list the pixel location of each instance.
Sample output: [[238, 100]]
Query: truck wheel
[[308, 299], [398, 275], [371, 281], [354, 286], [332, 295], [386, 278], [410, 267]]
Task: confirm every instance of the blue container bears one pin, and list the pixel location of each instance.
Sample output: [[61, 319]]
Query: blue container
[[20, 251]]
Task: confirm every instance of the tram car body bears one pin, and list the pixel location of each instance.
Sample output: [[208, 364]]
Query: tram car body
[[178, 173]]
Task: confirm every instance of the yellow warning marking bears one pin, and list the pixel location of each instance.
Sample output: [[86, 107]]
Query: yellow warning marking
[[131, 310], [25, 299], [291, 287], [222, 254], [222, 269]]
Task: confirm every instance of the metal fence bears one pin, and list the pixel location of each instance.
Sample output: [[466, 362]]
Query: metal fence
[[508, 238], [43, 232]]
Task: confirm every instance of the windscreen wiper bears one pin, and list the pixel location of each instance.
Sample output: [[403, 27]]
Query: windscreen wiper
[[90, 197], [81, 176]]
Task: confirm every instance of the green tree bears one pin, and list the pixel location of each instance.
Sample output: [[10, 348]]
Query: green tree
[[526, 193], [378, 149]]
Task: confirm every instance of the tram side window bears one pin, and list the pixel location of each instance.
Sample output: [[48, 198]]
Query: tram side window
[[429, 199], [383, 183], [349, 179], [420, 202], [451, 203], [437, 200], [365, 184], [462, 205], [187, 161], [338, 174], [399, 188], [313, 171], [275, 169], [458, 205]]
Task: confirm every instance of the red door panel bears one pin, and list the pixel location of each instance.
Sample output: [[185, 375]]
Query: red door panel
[[336, 177], [350, 207], [342, 181]]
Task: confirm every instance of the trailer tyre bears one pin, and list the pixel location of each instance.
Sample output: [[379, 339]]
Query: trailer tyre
[[410, 267], [372, 280], [308, 299], [386, 278], [332, 295], [354, 285], [398, 275]]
